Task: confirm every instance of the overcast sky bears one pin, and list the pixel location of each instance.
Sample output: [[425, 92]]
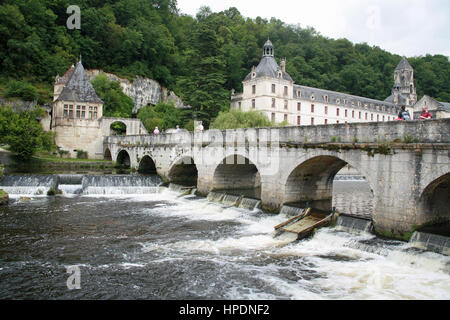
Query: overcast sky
[[405, 27]]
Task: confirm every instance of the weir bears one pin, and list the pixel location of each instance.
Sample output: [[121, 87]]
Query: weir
[[431, 242], [353, 224], [250, 204], [80, 184]]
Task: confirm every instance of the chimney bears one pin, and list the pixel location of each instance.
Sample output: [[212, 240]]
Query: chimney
[[283, 64]]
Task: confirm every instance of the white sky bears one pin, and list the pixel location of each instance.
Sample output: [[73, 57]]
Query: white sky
[[405, 27]]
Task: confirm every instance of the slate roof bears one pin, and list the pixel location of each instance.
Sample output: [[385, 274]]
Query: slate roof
[[65, 77], [404, 64], [401, 99], [78, 87], [268, 67], [446, 105], [307, 93]]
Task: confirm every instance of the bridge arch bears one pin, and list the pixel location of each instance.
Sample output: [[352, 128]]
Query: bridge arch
[[433, 202], [147, 165], [118, 128], [107, 155], [123, 159], [311, 181], [184, 171], [236, 172]]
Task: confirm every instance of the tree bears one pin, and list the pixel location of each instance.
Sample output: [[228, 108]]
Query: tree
[[235, 119]]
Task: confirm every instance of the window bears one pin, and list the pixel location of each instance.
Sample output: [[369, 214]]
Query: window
[[312, 121], [383, 118], [253, 89], [345, 101], [83, 112], [345, 113], [239, 105], [371, 117], [325, 98], [326, 121], [66, 110], [273, 88], [78, 114], [359, 103], [378, 117], [326, 109], [366, 115], [360, 114], [70, 111], [312, 97], [338, 101], [299, 93], [90, 112], [285, 90], [273, 102], [253, 104], [389, 118], [312, 108], [285, 104], [337, 112], [299, 106], [273, 117], [353, 113], [337, 121], [285, 117], [298, 120]]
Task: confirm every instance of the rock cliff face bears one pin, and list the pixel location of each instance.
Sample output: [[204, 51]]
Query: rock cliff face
[[142, 91]]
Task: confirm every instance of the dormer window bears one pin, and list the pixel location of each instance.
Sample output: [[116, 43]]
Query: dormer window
[[338, 101], [253, 75], [280, 74], [299, 93], [359, 103], [312, 97]]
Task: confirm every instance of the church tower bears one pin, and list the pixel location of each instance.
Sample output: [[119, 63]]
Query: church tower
[[404, 91]]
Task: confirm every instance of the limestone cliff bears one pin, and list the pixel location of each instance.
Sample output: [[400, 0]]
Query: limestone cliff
[[142, 91]]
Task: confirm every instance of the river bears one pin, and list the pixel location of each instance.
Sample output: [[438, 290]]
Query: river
[[134, 240]]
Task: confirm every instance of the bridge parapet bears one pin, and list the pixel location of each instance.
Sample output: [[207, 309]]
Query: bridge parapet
[[431, 131]]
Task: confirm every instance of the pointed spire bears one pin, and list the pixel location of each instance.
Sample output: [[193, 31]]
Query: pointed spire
[[403, 64]]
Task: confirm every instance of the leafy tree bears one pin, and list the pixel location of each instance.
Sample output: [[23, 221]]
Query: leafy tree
[[164, 116], [235, 119], [23, 133], [117, 103]]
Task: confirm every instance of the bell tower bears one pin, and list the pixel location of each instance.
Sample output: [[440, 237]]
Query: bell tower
[[404, 84]]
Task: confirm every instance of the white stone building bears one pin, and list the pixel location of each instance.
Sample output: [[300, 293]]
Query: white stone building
[[270, 89], [77, 115]]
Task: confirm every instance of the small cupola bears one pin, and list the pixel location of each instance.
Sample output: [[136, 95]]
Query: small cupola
[[268, 49]]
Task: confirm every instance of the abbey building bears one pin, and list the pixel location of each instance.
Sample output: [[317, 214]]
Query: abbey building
[[270, 89]]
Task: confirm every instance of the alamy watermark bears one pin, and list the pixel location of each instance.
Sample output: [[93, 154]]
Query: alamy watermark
[[74, 280], [74, 20]]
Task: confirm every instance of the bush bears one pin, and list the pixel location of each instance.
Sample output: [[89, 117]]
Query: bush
[[82, 154], [21, 89], [235, 119]]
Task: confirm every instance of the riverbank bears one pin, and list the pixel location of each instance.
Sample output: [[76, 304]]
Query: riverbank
[[48, 164], [4, 198]]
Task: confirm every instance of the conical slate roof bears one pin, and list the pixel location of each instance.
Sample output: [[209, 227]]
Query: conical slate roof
[[79, 88], [268, 66], [404, 64]]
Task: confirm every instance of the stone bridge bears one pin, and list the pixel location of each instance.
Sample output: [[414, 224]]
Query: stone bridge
[[406, 165]]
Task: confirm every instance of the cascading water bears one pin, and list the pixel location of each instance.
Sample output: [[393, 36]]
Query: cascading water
[[167, 246], [230, 200], [120, 184], [27, 185], [353, 225], [291, 211], [250, 204]]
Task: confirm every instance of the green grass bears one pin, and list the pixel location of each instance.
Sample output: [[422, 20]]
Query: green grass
[[43, 156]]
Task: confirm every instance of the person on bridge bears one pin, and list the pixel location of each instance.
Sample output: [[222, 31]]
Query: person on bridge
[[404, 114], [178, 128], [425, 114], [156, 131]]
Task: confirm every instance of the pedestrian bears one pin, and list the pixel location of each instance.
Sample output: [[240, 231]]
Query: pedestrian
[[200, 127], [178, 129], [156, 131], [404, 114], [425, 114]]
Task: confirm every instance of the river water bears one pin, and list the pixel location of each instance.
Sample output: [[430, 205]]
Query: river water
[[133, 241]]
